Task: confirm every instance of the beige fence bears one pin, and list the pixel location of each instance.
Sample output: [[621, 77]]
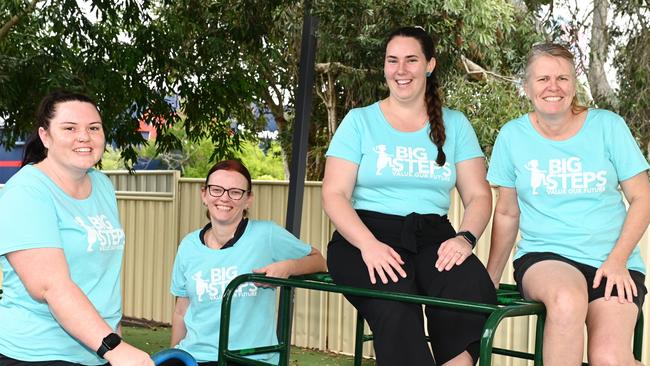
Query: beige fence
[[158, 208]]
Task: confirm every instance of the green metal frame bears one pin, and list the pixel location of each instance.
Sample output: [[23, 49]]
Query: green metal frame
[[510, 304]]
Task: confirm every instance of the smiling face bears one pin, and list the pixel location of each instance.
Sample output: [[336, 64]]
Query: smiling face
[[405, 68], [551, 86], [225, 210], [75, 137]]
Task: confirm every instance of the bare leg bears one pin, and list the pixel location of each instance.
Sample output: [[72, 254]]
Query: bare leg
[[610, 328], [563, 290]]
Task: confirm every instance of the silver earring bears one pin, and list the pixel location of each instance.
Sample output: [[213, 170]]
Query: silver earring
[[428, 73]]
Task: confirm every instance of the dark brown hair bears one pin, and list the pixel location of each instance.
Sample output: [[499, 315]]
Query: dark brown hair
[[432, 96], [35, 151]]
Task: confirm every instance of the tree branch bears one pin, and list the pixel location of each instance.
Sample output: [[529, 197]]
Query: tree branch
[[336, 67], [4, 31], [479, 73]]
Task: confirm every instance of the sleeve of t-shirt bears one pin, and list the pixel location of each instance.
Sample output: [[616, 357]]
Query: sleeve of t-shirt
[[625, 154], [178, 283], [286, 246], [501, 171], [467, 146], [346, 142], [28, 220]]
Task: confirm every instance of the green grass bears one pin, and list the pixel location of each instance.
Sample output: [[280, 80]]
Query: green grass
[[152, 340]]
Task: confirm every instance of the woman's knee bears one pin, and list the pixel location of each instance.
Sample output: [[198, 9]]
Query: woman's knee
[[566, 305], [606, 355]]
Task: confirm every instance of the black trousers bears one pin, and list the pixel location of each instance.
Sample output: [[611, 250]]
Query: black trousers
[[398, 327]]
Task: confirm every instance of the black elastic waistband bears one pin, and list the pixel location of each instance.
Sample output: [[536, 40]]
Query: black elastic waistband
[[412, 225], [380, 215]]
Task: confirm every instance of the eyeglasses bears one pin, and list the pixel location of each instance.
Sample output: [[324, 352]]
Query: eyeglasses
[[218, 191]]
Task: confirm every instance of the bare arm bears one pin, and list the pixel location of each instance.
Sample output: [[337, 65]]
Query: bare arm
[[505, 225], [637, 193], [178, 320], [477, 200], [311, 263], [44, 273], [338, 184]]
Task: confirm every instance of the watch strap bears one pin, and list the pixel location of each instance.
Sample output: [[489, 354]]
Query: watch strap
[[108, 343], [471, 239]]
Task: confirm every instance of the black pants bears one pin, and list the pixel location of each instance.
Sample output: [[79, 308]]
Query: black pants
[[398, 327]]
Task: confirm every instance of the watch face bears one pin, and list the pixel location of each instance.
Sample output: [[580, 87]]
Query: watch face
[[112, 340]]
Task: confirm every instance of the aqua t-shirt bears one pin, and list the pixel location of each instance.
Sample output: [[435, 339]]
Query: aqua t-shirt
[[202, 274], [397, 171], [36, 213], [568, 190]]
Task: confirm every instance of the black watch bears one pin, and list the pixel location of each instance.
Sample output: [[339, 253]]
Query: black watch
[[108, 343], [471, 239]]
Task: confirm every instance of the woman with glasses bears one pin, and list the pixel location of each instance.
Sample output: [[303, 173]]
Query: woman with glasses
[[230, 244], [61, 246], [390, 169]]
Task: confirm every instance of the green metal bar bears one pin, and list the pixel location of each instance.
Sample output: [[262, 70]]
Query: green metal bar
[[514, 306], [493, 321], [355, 291], [243, 360], [511, 353], [284, 328], [358, 341], [638, 337], [539, 339]]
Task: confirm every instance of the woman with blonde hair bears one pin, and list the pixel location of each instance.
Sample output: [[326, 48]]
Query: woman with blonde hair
[[558, 169]]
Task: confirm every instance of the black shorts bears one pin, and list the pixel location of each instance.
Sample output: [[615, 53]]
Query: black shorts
[[522, 264]]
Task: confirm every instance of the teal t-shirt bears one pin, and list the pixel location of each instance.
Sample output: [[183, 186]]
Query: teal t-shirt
[[397, 171], [202, 274], [36, 213], [568, 190]]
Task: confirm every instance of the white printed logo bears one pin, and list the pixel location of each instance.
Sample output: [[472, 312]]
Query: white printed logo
[[216, 284], [383, 159], [565, 176], [101, 230], [410, 161]]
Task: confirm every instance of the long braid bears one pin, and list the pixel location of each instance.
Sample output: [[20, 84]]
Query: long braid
[[434, 112]]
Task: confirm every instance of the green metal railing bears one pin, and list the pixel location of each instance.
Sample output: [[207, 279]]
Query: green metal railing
[[510, 304]]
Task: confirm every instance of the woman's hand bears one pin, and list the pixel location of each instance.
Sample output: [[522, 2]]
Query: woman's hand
[[384, 260], [127, 355], [282, 269], [452, 252], [617, 275]]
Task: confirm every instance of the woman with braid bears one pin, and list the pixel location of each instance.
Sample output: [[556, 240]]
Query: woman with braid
[[390, 169]]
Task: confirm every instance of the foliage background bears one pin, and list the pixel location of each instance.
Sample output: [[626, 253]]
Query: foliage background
[[226, 61]]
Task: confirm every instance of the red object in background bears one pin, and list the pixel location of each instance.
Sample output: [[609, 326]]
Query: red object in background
[[10, 164]]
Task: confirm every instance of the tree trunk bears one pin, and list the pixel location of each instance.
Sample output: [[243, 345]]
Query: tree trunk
[[601, 91]]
